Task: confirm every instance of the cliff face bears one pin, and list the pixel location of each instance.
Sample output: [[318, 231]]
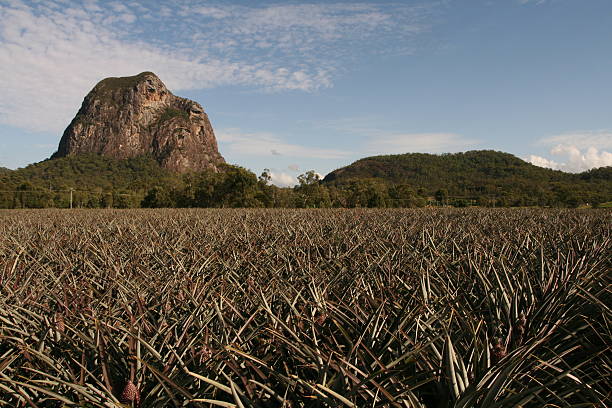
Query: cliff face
[[133, 116]]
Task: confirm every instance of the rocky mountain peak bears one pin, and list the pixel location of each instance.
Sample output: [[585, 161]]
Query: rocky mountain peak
[[132, 116]]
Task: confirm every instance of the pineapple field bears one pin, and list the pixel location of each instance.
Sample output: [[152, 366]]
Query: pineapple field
[[423, 308]]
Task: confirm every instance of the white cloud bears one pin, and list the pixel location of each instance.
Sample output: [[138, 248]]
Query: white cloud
[[282, 179], [49, 62], [266, 144], [600, 139], [577, 160], [53, 52], [128, 18], [572, 159], [418, 142], [537, 2], [576, 151], [311, 30], [542, 162], [213, 12]]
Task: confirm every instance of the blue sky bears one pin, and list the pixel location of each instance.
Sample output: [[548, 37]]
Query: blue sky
[[294, 86]]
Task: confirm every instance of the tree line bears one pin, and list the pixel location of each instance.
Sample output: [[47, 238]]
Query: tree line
[[237, 187], [98, 182]]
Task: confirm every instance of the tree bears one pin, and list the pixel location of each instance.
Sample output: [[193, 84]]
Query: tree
[[402, 195], [30, 196], [265, 177], [158, 197], [311, 194], [266, 193], [367, 193], [125, 199], [309, 178], [239, 188], [442, 196], [205, 190]]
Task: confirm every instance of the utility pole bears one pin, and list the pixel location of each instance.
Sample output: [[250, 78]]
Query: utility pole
[[71, 198]]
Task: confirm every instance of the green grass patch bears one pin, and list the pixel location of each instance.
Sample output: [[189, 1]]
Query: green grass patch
[[171, 113]]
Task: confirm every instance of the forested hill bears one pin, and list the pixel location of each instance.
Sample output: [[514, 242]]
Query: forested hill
[[483, 178], [479, 175], [90, 177], [88, 172]]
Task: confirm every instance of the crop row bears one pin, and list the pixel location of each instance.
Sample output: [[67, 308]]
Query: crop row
[[305, 308]]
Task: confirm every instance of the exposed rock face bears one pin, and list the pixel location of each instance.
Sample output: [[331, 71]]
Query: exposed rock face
[[132, 116]]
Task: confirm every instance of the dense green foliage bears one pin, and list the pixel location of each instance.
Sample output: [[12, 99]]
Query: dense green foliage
[[482, 178], [421, 308], [97, 181], [486, 177], [170, 113]]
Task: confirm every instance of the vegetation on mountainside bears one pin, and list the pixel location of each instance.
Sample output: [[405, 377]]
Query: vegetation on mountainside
[[437, 308], [414, 180], [94, 179], [487, 177], [170, 113], [115, 83]]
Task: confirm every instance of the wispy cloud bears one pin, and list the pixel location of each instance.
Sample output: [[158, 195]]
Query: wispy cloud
[[601, 139], [386, 140], [537, 2], [576, 151], [53, 52], [419, 142], [236, 142], [308, 31], [44, 146]]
